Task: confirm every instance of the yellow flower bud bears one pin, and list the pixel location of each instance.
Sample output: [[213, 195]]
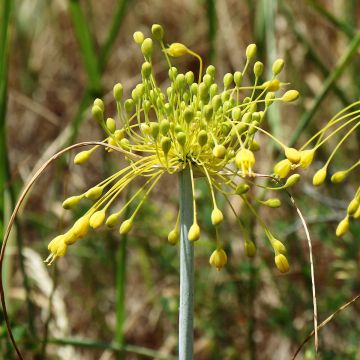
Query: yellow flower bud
[[281, 263], [357, 213], [82, 157], [202, 138], [290, 95], [61, 250], [218, 259], [250, 51], [277, 66], [282, 168], [111, 125], [292, 155], [177, 50], [118, 92], [219, 151], [181, 138], [217, 217], [97, 114], [69, 238], [343, 227], [147, 47], [319, 177], [165, 144], [250, 248], [158, 32], [94, 193], [307, 157], [353, 206], [194, 232], [258, 68], [278, 246], [272, 203], [71, 202], [81, 227], [339, 177], [54, 243], [98, 102], [245, 160], [97, 219], [242, 189], [292, 180], [112, 219], [126, 226], [138, 37], [271, 85], [173, 237], [119, 134]]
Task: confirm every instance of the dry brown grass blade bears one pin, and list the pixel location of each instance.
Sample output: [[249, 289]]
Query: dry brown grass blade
[[12, 220], [325, 322]]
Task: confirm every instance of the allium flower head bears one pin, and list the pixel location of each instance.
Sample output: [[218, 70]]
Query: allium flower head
[[194, 123]]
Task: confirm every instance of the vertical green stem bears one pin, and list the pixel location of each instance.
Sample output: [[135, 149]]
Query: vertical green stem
[[120, 286], [186, 309]]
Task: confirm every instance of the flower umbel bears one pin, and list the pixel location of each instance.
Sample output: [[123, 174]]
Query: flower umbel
[[205, 126]]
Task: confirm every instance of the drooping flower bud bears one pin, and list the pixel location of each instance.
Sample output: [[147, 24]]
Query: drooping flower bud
[[194, 232], [71, 201], [126, 226], [216, 217], [282, 263], [81, 227], [282, 168], [319, 177], [343, 227], [307, 157], [250, 248], [218, 259], [173, 237], [97, 219], [353, 206], [292, 155]]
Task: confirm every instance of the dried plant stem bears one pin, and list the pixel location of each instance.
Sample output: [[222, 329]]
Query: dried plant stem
[[325, 322], [186, 309]]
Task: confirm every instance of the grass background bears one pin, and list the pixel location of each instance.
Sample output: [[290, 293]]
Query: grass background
[[55, 58]]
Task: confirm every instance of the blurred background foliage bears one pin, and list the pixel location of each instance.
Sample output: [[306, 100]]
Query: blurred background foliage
[[56, 57]]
